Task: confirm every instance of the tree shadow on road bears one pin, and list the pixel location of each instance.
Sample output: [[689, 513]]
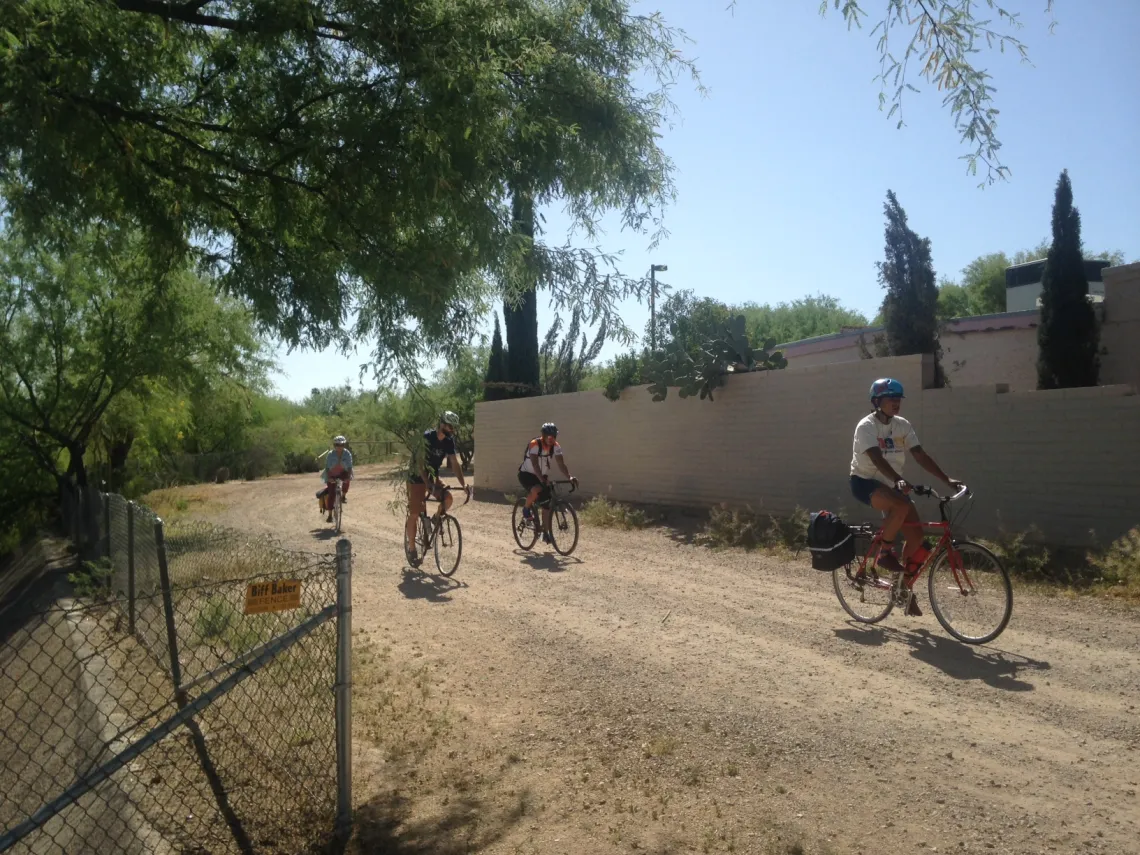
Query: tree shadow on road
[[551, 562], [994, 667], [467, 824], [418, 585]]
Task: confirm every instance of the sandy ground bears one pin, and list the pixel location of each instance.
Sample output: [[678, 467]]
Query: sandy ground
[[650, 695]]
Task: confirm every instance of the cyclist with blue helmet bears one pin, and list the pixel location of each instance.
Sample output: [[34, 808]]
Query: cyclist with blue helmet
[[882, 440]]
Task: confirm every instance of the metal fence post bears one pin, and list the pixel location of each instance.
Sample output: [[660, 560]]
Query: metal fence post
[[168, 607], [131, 567], [343, 687], [180, 697], [106, 525]]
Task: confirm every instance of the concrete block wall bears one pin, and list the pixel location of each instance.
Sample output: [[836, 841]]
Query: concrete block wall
[[1065, 461], [772, 440], [1120, 332]]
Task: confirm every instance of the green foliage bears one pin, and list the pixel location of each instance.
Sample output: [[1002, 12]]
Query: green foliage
[[953, 301], [685, 322], [802, 318], [563, 371], [493, 384], [1068, 337], [87, 324], [625, 371], [332, 155], [984, 282], [730, 352], [982, 289], [329, 401], [92, 580], [910, 305], [941, 38], [601, 512]]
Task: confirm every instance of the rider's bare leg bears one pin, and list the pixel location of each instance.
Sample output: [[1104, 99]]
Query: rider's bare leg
[[416, 494], [897, 507]]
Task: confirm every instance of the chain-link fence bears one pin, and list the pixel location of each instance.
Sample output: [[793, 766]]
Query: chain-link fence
[[191, 697]]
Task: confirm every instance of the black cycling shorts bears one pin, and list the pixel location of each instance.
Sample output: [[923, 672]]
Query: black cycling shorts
[[435, 488], [529, 481]]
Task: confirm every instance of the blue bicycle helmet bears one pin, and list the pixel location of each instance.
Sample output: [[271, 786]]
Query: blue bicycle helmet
[[887, 387]]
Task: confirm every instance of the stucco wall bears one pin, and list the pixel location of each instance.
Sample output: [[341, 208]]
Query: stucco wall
[[1065, 461]]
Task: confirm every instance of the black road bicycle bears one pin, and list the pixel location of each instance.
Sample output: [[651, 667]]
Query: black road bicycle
[[442, 535], [563, 520]]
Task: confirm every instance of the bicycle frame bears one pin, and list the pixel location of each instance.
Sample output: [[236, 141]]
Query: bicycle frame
[[552, 497], [426, 521], [945, 542]]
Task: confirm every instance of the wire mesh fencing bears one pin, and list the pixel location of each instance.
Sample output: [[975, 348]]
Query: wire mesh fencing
[[192, 697]]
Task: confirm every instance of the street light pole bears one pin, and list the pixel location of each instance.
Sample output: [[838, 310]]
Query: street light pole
[[654, 269]]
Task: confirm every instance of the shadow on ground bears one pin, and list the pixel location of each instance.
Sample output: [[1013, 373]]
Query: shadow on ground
[[991, 665], [551, 562], [464, 825], [418, 585]]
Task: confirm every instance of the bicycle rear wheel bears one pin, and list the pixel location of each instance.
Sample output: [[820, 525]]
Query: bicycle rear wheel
[[866, 595], [525, 531], [564, 528], [448, 545], [970, 593]]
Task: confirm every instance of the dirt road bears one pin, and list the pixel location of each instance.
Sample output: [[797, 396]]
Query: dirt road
[[651, 695]]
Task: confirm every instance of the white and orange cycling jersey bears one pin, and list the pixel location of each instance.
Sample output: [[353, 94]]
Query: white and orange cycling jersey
[[537, 459]]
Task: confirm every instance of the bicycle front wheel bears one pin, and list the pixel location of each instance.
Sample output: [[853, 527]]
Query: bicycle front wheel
[[525, 531], [970, 593], [423, 540], [564, 528], [448, 545], [866, 595], [338, 509]]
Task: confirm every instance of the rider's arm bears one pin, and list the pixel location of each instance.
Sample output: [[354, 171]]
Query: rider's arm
[[561, 461], [876, 455], [927, 462], [457, 468]]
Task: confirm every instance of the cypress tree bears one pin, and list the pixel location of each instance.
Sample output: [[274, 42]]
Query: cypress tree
[[493, 388], [521, 321], [1068, 337], [910, 307]]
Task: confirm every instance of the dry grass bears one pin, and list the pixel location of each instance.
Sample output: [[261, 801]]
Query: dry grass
[[1114, 571], [172, 503], [744, 528], [601, 512]]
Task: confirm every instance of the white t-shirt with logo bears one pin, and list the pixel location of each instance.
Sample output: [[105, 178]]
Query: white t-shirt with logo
[[894, 439]]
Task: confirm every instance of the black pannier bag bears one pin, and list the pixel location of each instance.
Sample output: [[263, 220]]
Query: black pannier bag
[[830, 540]]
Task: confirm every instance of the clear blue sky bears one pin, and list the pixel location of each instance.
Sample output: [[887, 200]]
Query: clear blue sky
[[782, 170]]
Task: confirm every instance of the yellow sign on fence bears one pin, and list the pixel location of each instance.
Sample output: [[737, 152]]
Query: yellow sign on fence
[[279, 595]]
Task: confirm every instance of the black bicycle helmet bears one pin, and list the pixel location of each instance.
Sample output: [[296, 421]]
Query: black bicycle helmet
[[550, 429]]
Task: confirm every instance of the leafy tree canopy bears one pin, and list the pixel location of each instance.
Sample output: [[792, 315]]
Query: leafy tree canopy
[[805, 317], [331, 157], [80, 329]]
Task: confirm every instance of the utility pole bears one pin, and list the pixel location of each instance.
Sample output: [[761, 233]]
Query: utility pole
[[654, 269]]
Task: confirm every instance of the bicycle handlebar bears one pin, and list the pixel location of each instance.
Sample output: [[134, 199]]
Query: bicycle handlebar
[[467, 493], [922, 490], [573, 484]]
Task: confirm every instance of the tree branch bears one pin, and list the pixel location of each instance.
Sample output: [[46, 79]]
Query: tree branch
[[188, 13]]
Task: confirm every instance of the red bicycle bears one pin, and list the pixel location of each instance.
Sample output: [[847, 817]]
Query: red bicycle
[[969, 589]]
